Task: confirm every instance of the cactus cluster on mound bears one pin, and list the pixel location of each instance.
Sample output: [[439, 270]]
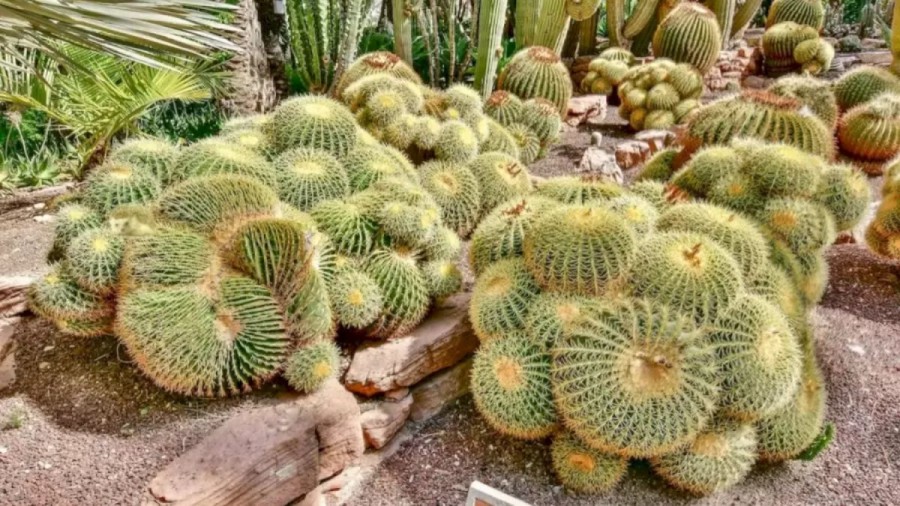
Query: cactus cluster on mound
[[452, 125], [759, 115], [883, 234], [659, 94], [689, 34], [789, 47], [218, 267], [606, 72], [537, 72], [870, 132], [625, 329]]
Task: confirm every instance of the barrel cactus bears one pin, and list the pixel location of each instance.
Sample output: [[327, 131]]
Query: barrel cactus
[[811, 92], [862, 84], [537, 72], [781, 43], [689, 34], [606, 72], [659, 94], [883, 234], [809, 13], [870, 132]]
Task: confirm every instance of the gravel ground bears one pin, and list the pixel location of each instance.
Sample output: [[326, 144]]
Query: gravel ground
[[858, 325], [25, 242]]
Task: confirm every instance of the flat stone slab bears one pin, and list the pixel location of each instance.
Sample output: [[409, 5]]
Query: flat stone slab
[[269, 455], [381, 424], [13, 295], [441, 341], [435, 393]]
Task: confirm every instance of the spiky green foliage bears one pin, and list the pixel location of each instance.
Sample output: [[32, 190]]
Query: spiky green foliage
[[659, 167], [811, 92], [511, 387], [314, 123], [379, 62], [356, 298], [527, 141], [871, 131], [385, 107], [94, 258], [408, 223], [167, 257], [779, 42], [500, 140], [71, 220], [737, 234], [862, 84], [553, 314], [309, 176], [501, 299], [56, 296], [359, 96], [401, 132], [844, 191], [502, 232], [404, 291], [814, 56], [805, 226], [605, 74], [688, 272], [537, 72], [706, 168], [252, 139], [791, 430], [782, 170], [352, 229], [457, 142], [504, 107], [689, 34], [442, 277], [637, 211], [206, 202], [720, 457], [115, 183], [760, 358], [463, 99], [635, 379], [309, 366], [444, 245], [759, 115], [367, 164], [810, 13], [883, 234], [500, 178], [457, 191], [154, 155], [655, 192], [660, 93], [219, 156], [578, 190], [542, 118], [579, 249], [195, 343], [584, 469]]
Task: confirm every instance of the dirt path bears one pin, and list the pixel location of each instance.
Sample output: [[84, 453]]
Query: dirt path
[[858, 329]]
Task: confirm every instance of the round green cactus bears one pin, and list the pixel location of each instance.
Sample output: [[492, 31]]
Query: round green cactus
[[660, 93], [457, 142], [814, 56], [811, 92], [862, 84], [500, 178], [378, 62], [810, 13], [114, 184], [720, 457], [56, 296], [782, 170], [883, 234], [501, 299], [504, 107], [584, 469], [94, 258], [359, 95], [444, 245], [775, 285], [637, 211], [219, 156], [456, 191], [707, 167], [404, 290], [655, 192], [409, 224], [194, 343], [579, 249], [553, 314], [792, 429], [511, 387], [308, 176], [657, 374], [527, 141], [779, 43], [604, 75], [168, 257], [313, 122], [689, 34], [804, 225], [252, 139], [660, 166], [871, 131], [427, 132], [738, 235], [71, 220], [384, 107], [542, 118], [760, 358], [500, 140], [537, 72], [463, 98], [154, 155], [250, 122], [443, 278], [206, 202], [367, 164], [688, 272], [351, 229], [401, 132], [844, 192], [579, 190], [502, 232], [310, 365]]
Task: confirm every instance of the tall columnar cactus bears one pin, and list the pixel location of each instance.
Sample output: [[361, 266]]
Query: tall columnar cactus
[[404, 13], [689, 34], [537, 72], [725, 11], [743, 15], [805, 12], [541, 23], [323, 38], [491, 20]]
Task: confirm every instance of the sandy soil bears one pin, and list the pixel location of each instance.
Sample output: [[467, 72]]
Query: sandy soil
[[858, 329], [24, 242]]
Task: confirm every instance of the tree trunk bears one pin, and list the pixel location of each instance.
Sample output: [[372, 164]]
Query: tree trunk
[[251, 84]]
